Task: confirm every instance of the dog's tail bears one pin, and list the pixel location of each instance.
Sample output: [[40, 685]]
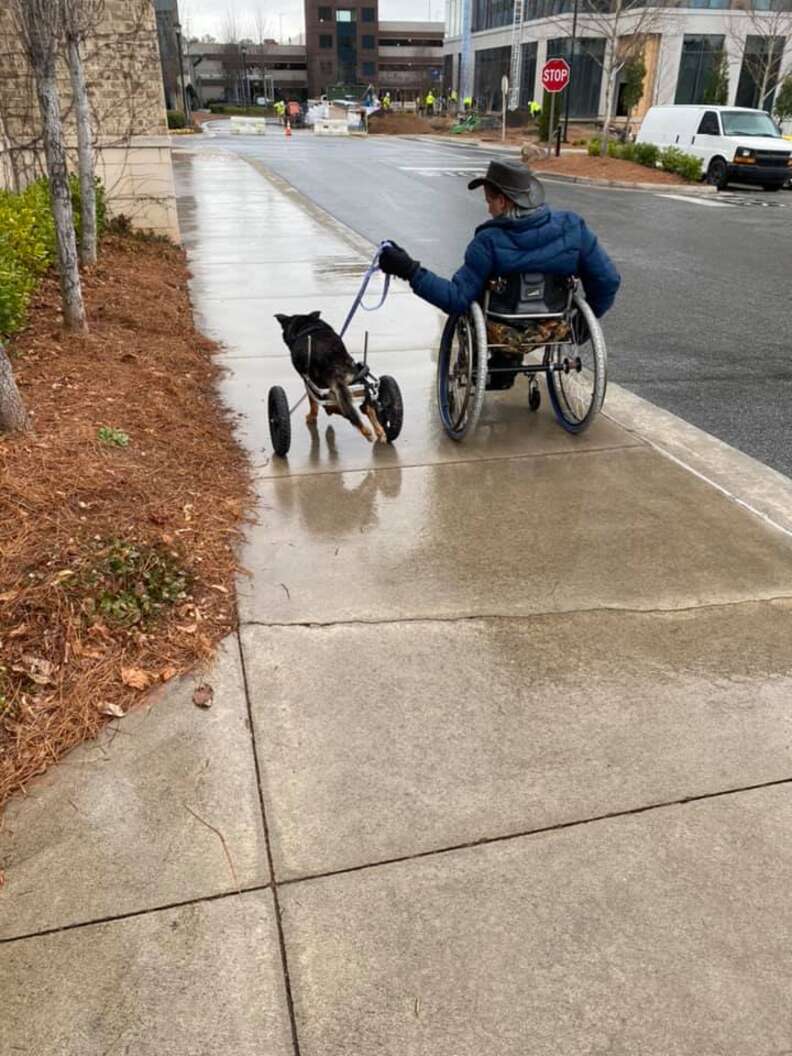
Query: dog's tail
[[346, 406]]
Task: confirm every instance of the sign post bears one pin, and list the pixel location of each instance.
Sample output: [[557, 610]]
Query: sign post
[[505, 96], [555, 78]]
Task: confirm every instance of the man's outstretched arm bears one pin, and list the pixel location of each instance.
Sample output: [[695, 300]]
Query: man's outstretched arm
[[453, 296]]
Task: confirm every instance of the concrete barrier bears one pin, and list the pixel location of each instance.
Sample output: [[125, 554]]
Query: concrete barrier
[[325, 126], [250, 126]]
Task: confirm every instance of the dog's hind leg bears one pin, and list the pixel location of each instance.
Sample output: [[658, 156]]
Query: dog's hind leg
[[312, 414], [370, 412], [346, 407]]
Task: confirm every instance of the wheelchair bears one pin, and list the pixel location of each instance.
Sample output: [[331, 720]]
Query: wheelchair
[[526, 324]]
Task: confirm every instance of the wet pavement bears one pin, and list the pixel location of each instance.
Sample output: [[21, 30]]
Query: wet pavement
[[500, 760]]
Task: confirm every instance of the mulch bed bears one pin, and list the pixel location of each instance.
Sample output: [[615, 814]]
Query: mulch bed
[[117, 563], [605, 169]]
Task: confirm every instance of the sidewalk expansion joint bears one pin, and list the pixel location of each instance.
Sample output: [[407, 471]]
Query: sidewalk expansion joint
[[149, 910], [601, 610], [268, 841], [578, 823], [262, 475]]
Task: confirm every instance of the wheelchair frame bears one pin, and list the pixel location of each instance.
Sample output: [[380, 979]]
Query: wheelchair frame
[[554, 366]]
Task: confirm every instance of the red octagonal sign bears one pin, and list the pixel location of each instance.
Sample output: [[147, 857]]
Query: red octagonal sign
[[555, 75]]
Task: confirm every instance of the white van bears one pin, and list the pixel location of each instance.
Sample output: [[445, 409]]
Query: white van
[[734, 143]]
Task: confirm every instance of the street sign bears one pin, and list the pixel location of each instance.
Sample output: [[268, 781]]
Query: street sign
[[555, 75]]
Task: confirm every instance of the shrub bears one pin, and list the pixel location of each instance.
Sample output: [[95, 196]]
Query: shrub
[[614, 149], [217, 108], [594, 147], [647, 154], [176, 119], [628, 152], [27, 244], [672, 159]]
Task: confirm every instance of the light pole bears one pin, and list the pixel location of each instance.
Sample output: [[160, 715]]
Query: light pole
[[571, 71], [180, 52], [245, 94]]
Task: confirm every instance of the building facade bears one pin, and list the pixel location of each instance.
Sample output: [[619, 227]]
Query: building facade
[[128, 108], [692, 52]]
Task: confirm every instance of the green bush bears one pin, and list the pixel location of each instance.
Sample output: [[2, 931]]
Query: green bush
[[647, 154], [628, 152], [27, 244], [176, 119], [672, 159], [594, 147], [217, 108]]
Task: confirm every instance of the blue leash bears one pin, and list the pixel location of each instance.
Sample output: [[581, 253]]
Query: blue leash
[[358, 302]]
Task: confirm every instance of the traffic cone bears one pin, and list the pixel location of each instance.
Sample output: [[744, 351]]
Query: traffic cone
[[288, 128]]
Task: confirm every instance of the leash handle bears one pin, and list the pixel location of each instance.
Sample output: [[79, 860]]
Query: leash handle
[[358, 302]]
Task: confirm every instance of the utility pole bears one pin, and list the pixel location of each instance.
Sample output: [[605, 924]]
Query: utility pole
[[572, 54]]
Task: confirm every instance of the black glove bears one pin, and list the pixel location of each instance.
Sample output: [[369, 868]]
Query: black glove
[[396, 261]]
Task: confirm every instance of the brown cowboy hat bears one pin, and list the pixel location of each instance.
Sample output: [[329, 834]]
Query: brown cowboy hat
[[515, 180]]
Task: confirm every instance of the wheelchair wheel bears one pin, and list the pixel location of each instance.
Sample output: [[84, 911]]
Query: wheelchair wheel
[[390, 408], [279, 420], [462, 372], [577, 379]]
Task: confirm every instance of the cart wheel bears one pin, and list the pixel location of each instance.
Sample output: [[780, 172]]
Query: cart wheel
[[534, 397], [279, 421], [390, 407], [462, 372], [577, 373]]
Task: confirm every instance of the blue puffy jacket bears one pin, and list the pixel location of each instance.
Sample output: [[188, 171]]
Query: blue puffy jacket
[[546, 241]]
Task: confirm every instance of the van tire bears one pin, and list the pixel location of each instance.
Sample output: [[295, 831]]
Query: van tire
[[718, 174], [772, 186]]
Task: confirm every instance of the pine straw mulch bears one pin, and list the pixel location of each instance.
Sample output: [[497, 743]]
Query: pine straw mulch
[[117, 563]]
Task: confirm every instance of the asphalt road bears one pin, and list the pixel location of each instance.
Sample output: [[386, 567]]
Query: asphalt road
[[702, 326]]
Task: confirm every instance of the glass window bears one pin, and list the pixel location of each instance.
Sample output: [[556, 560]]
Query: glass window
[[761, 65], [325, 40], [369, 69], [368, 42], [488, 14], [491, 65], [325, 14], [528, 80], [709, 124], [701, 56], [740, 123], [346, 14], [586, 66], [369, 14]]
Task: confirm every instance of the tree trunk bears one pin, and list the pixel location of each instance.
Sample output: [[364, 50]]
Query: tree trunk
[[85, 155], [55, 152], [606, 123], [13, 416]]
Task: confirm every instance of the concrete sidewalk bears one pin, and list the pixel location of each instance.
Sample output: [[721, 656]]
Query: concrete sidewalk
[[499, 763]]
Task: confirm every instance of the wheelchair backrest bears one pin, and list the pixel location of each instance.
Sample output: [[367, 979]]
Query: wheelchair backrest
[[527, 295]]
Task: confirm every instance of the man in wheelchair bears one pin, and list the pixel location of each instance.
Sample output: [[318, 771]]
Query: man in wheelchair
[[521, 261]]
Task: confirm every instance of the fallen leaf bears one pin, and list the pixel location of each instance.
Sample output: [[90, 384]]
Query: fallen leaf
[[167, 673], [203, 696], [37, 669], [187, 628], [218, 586], [16, 632], [114, 710], [134, 677]]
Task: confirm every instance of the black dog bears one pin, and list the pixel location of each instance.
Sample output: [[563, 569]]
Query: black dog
[[317, 352]]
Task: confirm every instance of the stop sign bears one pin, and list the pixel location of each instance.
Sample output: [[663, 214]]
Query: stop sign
[[555, 75]]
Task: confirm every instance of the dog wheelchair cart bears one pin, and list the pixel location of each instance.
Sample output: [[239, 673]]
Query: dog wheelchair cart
[[365, 388], [526, 324]]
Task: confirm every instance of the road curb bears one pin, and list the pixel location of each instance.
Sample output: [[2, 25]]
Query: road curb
[[562, 177]]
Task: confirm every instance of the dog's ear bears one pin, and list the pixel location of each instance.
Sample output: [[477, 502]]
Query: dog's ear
[[315, 315]]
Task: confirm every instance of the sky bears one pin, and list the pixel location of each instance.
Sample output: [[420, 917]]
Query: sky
[[209, 16]]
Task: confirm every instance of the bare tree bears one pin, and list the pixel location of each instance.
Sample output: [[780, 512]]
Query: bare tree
[[759, 37], [40, 27], [80, 20], [262, 25], [13, 416], [625, 26]]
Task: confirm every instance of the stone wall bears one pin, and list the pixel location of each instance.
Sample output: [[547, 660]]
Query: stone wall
[[125, 86]]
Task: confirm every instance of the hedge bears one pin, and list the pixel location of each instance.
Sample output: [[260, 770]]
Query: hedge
[[672, 159], [27, 245], [176, 119]]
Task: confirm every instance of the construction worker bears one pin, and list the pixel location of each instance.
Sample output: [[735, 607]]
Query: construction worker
[[430, 102], [536, 109], [386, 102], [280, 111], [467, 103]]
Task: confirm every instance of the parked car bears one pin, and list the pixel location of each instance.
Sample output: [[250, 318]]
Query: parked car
[[734, 143]]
